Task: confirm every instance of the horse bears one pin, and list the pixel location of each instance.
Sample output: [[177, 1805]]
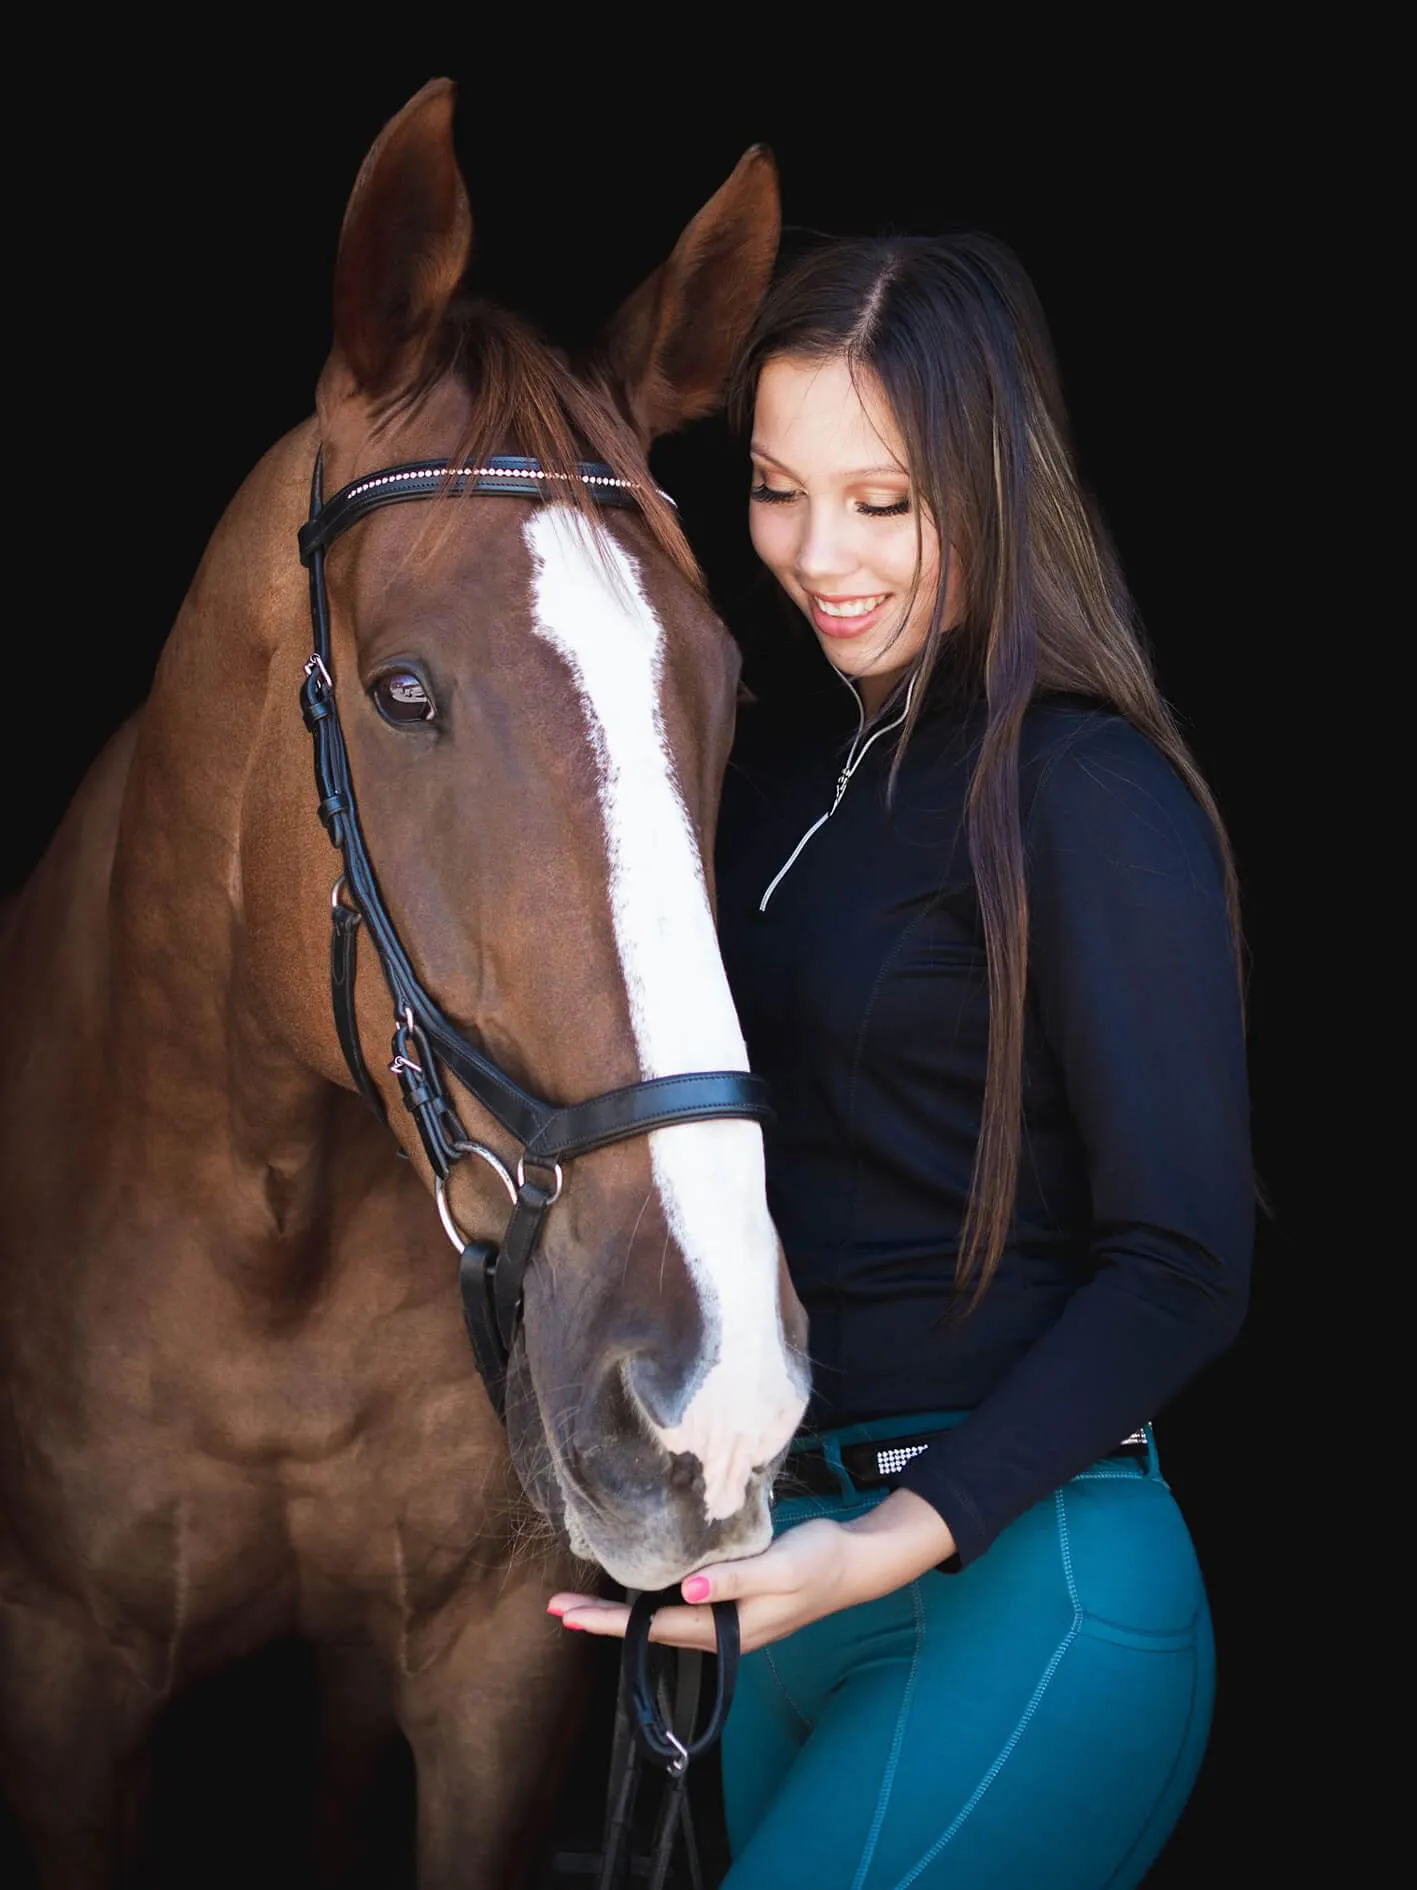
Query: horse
[[240, 1400]]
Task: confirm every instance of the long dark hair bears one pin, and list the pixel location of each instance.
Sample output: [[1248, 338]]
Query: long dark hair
[[952, 331]]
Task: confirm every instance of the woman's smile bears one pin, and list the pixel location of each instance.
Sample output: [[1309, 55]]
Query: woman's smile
[[846, 616]]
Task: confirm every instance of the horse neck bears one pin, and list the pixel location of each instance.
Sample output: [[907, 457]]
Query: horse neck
[[195, 1063]]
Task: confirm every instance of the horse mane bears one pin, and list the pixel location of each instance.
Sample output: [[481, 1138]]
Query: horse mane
[[527, 399]]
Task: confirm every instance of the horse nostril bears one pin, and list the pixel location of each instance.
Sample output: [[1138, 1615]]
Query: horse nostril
[[656, 1390], [686, 1475]]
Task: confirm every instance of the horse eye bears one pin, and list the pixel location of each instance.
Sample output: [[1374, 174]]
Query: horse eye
[[400, 697]]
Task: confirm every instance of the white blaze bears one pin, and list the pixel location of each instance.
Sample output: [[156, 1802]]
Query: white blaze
[[588, 602]]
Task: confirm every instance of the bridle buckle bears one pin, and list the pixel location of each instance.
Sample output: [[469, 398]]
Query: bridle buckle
[[535, 1162]]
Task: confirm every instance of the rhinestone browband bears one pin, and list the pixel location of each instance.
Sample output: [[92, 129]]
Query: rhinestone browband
[[361, 486], [512, 473]]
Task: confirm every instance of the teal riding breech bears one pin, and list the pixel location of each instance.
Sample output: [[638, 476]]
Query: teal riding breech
[[1034, 1722]]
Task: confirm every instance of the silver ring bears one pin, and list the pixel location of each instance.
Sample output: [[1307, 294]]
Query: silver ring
[[440, 1190], [445, 1215], [555, 1168], [335, 900], [494, 1162], [677, 1764]]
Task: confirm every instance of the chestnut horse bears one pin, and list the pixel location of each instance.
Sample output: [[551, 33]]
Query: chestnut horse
[[241, 1403]]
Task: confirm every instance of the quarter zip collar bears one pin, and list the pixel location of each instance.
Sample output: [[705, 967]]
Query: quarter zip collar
[[855, 756]]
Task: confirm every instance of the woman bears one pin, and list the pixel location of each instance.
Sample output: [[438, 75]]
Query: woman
[[979, 918]]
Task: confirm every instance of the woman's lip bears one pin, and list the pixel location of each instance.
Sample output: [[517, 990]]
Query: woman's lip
[[843, 627]]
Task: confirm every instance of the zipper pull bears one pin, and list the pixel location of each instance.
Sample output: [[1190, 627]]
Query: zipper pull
[[841, 781]]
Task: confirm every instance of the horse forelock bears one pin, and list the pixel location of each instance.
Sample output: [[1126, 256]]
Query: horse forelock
[[523, 396]]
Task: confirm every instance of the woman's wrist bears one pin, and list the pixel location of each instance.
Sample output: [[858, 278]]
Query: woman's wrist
[[894, 1543]]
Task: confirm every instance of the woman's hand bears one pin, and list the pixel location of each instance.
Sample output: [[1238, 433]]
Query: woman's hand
[[808, 1572]]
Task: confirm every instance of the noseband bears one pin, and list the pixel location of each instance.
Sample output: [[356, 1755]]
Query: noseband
[[424, 1037]]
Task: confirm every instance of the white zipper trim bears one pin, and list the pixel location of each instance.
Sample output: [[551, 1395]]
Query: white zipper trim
[[854, 759], [782, 871]]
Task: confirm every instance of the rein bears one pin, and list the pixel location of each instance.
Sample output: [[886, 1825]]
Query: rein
[[491, 1281], [650, 1726]]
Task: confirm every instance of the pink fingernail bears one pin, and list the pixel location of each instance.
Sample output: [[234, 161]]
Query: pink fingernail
[[576, 1627], [697, 1588], [551, 1608]]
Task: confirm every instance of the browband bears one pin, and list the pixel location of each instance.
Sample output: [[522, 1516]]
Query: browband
[[510, 473]]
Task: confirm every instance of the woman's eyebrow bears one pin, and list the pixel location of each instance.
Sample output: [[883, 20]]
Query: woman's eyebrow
[[856, 472]]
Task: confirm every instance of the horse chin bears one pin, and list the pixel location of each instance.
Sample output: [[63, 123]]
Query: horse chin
[[658, 1549]]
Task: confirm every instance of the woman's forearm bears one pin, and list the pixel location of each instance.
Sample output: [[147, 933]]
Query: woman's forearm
[[894, 1543]]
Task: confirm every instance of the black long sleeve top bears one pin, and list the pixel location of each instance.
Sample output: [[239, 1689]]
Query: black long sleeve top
[[861, 984]]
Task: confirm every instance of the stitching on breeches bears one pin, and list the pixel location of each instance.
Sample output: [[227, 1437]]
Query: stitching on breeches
[[1119, 1875], [809, 1512], [1010, 1745], [897, 1741], [792, 1705]]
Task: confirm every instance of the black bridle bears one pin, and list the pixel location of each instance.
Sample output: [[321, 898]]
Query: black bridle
[[424, 1038]]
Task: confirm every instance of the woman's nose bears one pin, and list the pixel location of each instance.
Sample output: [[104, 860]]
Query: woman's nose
[[825, 552]]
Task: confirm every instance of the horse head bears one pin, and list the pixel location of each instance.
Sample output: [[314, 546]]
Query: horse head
[[537, 702]]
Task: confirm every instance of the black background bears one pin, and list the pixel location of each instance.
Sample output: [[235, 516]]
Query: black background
[[176, 227]]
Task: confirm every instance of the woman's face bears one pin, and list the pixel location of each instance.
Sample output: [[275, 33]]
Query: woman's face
[[833, 517]]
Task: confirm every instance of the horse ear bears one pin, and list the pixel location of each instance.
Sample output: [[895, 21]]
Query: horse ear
[[668, 350], [404, 246]]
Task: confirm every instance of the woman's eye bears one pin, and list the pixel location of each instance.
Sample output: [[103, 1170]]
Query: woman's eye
[[400, 697], [895, 509], [771, 495]]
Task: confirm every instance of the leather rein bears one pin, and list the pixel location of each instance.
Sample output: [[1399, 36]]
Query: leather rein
[[425, 1040]]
